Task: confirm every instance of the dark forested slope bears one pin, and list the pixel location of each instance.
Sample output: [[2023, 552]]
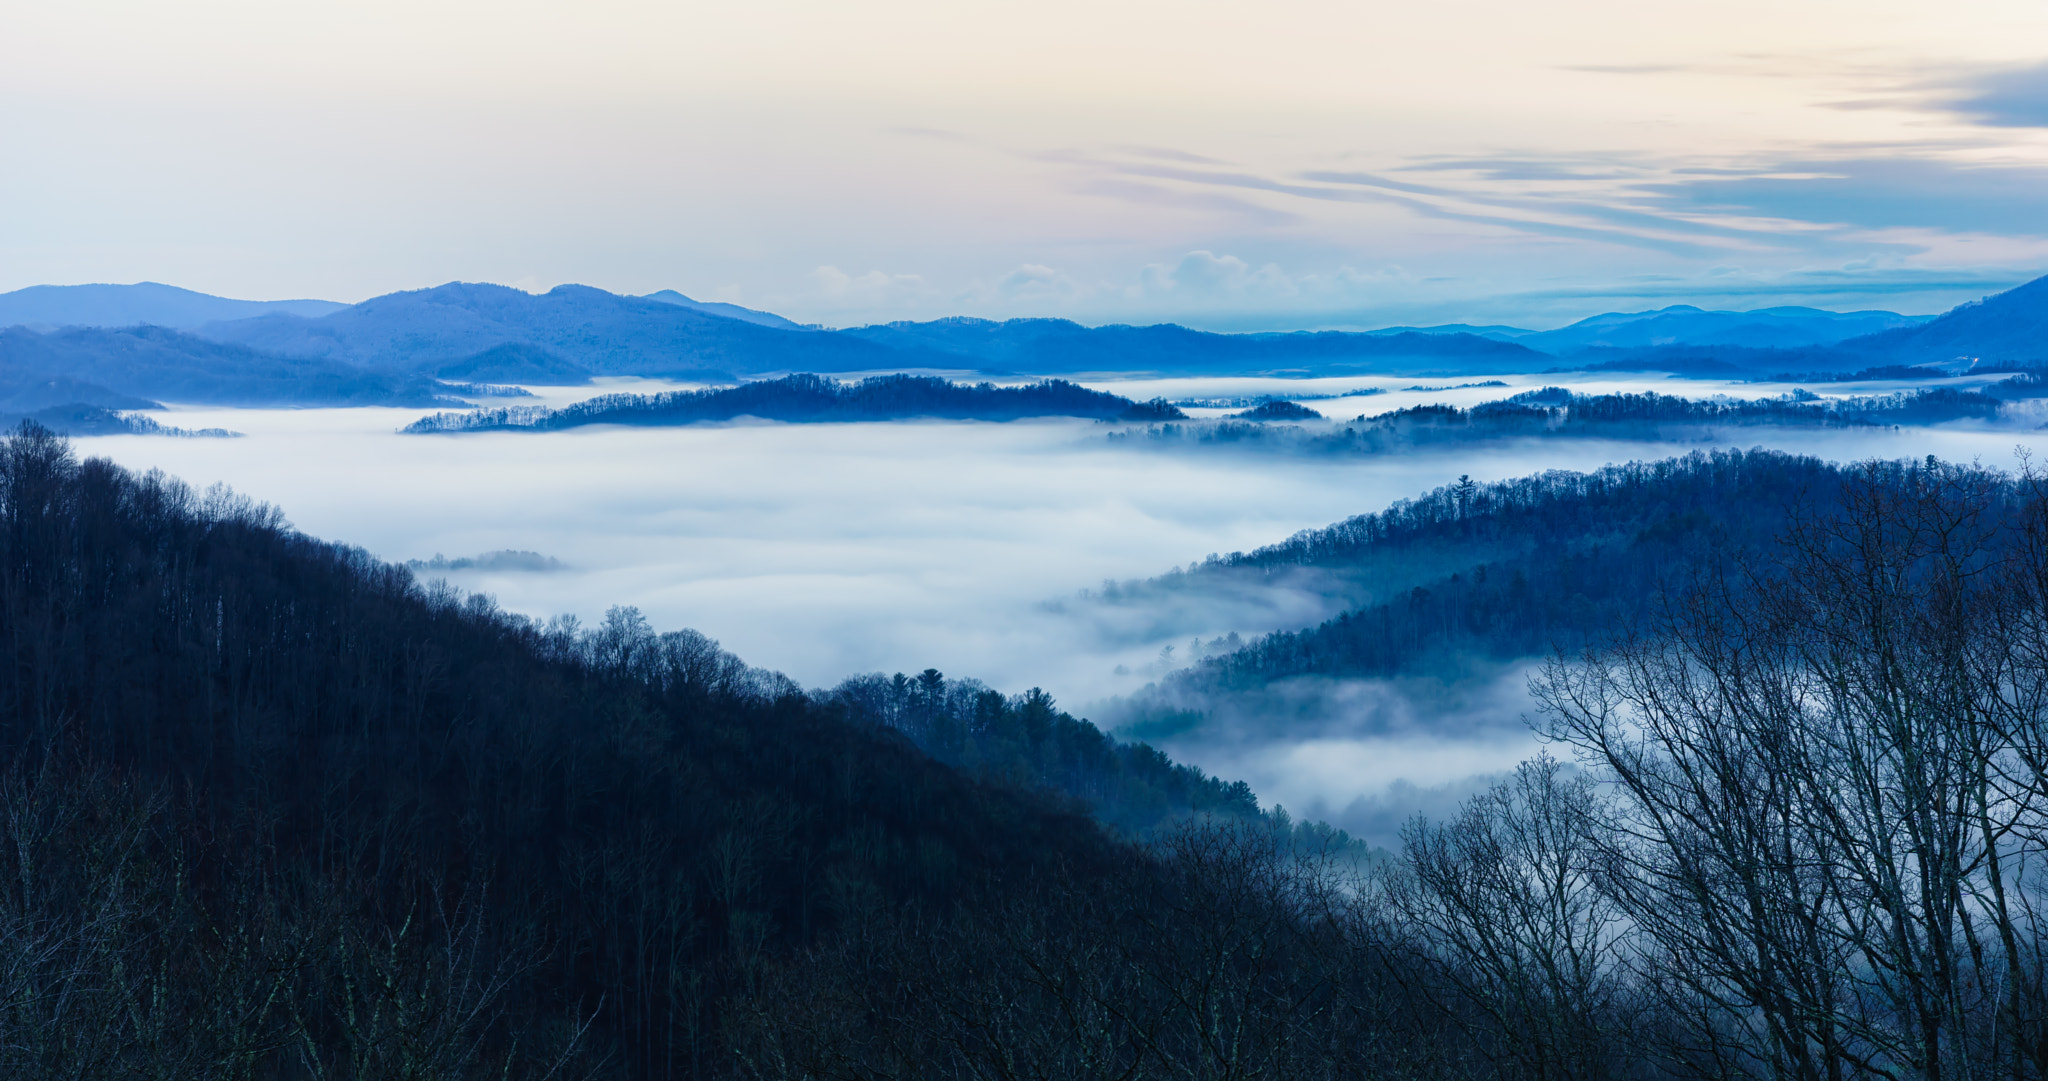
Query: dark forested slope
[[815, 398], [1496, 572], [271, 809], [316, 757], [1554, 412]]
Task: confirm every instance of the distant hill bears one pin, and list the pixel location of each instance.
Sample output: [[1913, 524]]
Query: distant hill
[[608, 334], [1686, 325], [26, 391], [145, 303], [730, 311], [78, 418], [2011, 327], [164, 364], [1683, 324], [517, 363], [810, 398], [1495, 330], [1061, 347]]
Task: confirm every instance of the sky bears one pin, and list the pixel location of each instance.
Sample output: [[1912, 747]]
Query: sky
[[1236, 166]]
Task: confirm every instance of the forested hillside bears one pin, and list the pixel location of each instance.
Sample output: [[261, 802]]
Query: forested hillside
[[807, 398], [270, 809], [112, 367], [1470, 576], [1554, 412]]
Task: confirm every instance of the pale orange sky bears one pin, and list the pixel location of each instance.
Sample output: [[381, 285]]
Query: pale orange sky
[[1225, 164]]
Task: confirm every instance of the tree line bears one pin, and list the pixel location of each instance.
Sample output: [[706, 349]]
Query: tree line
[[1554, 412], [812, 398], [1476, 573]]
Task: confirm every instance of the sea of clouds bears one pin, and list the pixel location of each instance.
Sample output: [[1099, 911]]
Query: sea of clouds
[[826, 550]]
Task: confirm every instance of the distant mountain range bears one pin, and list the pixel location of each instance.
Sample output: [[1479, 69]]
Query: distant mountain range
[[135, 305], [2010, 328], [607, 334], [114, 368], [1683, 324], [116, 346]]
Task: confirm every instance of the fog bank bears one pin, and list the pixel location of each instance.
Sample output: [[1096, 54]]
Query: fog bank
[[824, 550]]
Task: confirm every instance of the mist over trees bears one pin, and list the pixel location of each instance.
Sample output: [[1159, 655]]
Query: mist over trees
[[1024, 741], [1505, 570], [81, 419], [812, 398], [1554, 412], [272, 809], [1792, 837], [278, 810]]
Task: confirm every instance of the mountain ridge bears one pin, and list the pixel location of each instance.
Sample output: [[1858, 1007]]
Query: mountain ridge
[[142, 303], [575, 332]]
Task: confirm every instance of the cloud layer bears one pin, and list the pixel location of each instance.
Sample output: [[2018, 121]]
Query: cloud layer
[[833, 549]]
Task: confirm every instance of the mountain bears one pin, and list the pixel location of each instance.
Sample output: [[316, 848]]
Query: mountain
[[517, 363], [1683, 324], [607, 334], [1061, 347], [1495, 330], [730, 311], [2010, 327], [26, 391], [573, 332], [80, 419], [110, 367], [143, 303], [1686, 325]]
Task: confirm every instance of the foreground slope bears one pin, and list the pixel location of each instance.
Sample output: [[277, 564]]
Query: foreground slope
[[338, 744], [272, 809]]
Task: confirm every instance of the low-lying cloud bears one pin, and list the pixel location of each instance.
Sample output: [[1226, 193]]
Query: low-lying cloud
[[832, 549]]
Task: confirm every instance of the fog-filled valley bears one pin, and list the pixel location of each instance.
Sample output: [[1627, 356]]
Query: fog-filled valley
[[1067, 541], [998, 513], [559, 688], [1011, 553]]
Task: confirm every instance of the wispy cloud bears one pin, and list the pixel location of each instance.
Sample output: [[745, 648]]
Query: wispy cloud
[[2011, 98], [1519, 212], [1875, 193]]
